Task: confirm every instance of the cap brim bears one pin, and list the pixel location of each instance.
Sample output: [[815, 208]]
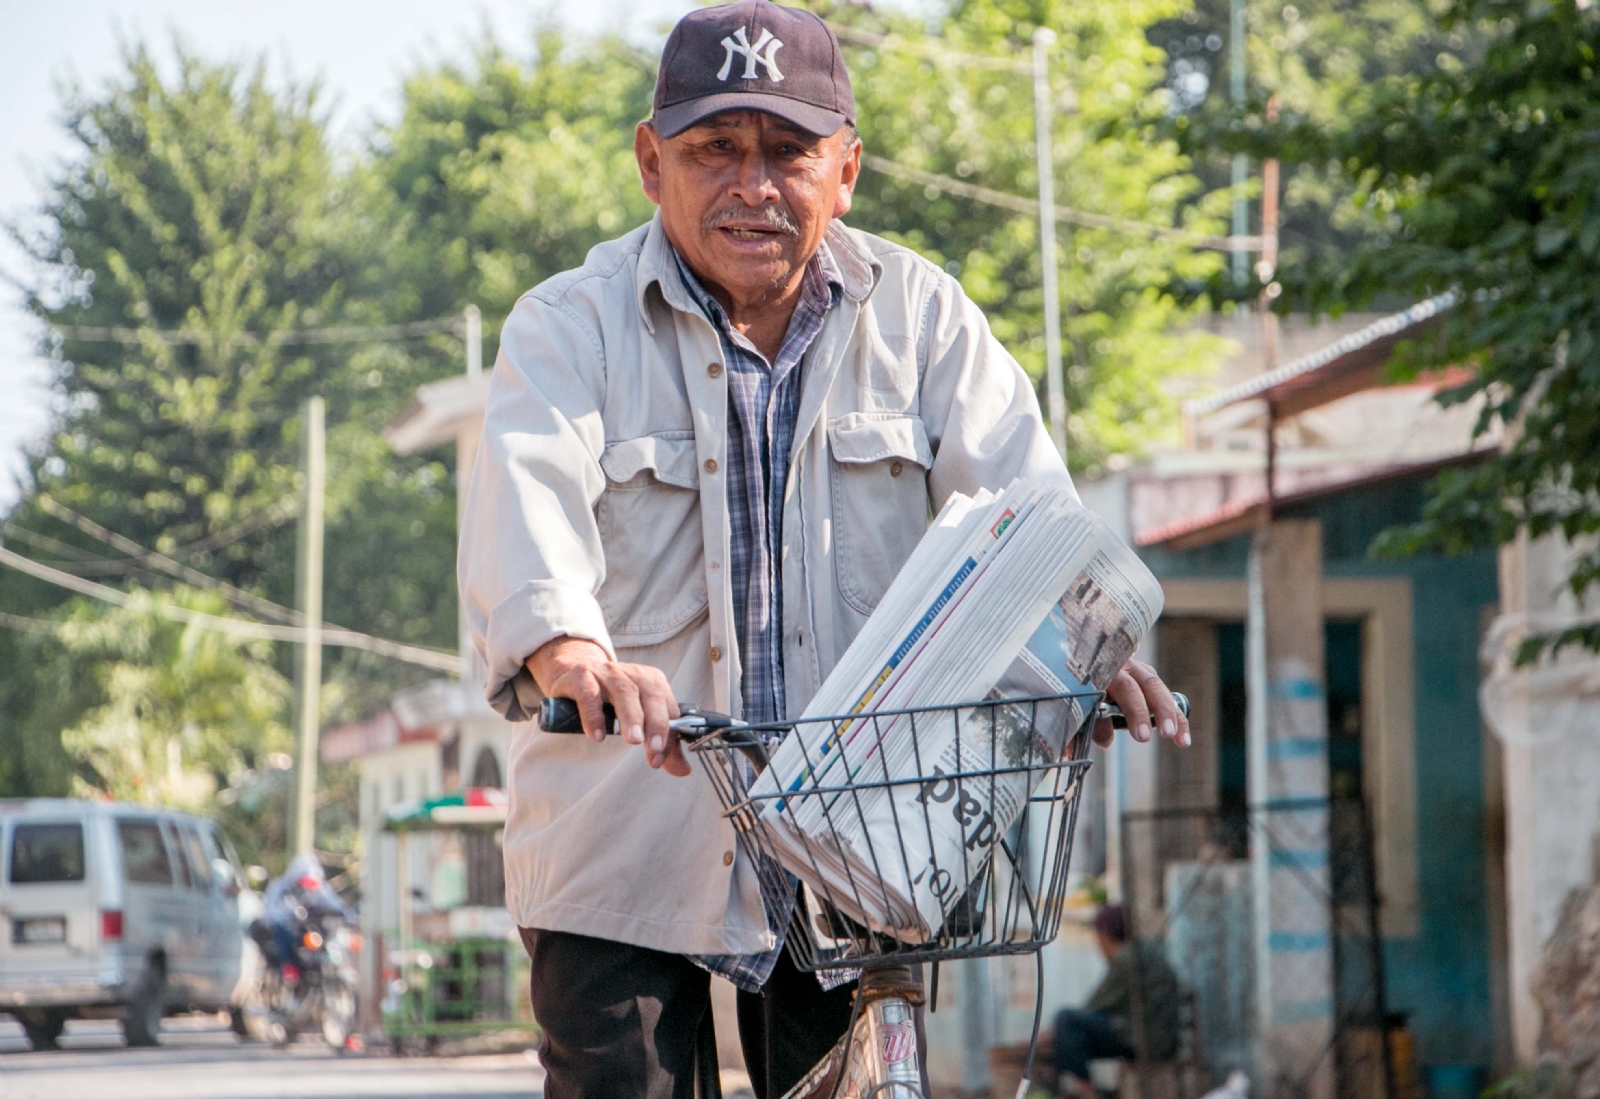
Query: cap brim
[[673, 120]]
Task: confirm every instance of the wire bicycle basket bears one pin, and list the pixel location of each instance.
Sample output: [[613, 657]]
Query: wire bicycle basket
[[916, 835]]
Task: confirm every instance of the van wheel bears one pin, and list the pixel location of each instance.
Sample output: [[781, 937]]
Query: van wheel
[[44, 1030], [142, 1024]]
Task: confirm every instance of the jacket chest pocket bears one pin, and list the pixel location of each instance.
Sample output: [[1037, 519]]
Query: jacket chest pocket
[[649, 520], [880, 500]]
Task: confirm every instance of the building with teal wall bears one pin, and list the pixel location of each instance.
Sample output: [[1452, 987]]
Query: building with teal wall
[[1443, 974]]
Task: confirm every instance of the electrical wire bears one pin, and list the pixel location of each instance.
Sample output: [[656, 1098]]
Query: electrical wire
[[271, 515], [174, 569], [45, 542], [344, 333], [931, 52], [437, 659], [1067, 214], [29, 625]]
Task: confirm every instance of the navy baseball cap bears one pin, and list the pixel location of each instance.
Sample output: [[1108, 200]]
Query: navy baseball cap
[[756, 56]]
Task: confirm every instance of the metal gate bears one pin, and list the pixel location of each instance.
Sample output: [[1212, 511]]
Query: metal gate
[[1188, 884]]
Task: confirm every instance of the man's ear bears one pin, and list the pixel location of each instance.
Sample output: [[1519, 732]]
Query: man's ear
[[847, 179], [647, 151]]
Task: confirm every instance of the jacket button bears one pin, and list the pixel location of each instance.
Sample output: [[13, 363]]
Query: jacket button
[[711, 465], [896, 469], [727, 858], [715, 654], [715, 370]]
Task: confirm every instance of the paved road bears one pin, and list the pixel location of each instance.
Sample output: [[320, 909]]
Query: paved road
[[200, 1059]]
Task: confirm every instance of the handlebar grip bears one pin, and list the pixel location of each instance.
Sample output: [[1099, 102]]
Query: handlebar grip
[[560, 715], [1120, 721]]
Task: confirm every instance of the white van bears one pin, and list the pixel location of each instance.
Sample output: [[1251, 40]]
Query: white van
[[114, 911]]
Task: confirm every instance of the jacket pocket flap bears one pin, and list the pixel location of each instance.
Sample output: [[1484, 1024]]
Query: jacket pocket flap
[[874, 436], [670, 456]]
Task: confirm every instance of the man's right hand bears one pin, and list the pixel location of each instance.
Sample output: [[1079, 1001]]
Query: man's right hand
[[569, 667]]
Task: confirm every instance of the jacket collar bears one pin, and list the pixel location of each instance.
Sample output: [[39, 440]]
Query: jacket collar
[[859, 271]]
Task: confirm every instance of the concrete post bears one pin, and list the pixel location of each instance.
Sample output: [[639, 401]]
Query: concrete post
[[1288, 777]]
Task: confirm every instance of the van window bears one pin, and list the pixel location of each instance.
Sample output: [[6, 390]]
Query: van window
[[216, 849], [197, 857], [177, 854], [44, 853], [144, 856]]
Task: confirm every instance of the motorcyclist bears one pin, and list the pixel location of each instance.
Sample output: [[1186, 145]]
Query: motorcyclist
[[299, 900]]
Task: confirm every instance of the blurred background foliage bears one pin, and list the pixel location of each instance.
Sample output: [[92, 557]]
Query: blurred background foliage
[[1483, 170], [927, 100], [206, 198]]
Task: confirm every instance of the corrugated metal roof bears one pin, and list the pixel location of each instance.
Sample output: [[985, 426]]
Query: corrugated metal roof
[[1384, 331], [1239, 516]]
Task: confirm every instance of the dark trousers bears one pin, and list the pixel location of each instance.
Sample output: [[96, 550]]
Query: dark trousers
[[621, 1021], [1084, 1036]]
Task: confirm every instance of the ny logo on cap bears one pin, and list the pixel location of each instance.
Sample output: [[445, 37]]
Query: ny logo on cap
[[737, 43]]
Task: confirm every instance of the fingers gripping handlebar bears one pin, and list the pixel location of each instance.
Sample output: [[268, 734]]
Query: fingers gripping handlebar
[[560, 715]]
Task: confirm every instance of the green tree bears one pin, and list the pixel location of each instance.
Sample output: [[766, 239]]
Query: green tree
[[1130, 349], [1483, 172], [143, 708], [1318, 62], [210, 204], [185, 708], [502, 172]]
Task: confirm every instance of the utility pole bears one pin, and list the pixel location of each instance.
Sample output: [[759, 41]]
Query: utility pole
[[466, 452], [310, 576], [1241, 163], [1266, 273], [1055, 385], [474, 341]]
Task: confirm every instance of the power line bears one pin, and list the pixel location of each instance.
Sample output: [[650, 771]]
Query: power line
[[238, 627], [931, 52], [271, 515], [1084, 218], [345, 333], [45, 542], [163, 563], [29, 625]]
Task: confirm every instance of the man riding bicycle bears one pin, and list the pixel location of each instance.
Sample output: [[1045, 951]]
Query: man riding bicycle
[[706, 453]]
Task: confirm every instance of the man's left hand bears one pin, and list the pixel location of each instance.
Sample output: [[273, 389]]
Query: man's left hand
[[1146, 703]]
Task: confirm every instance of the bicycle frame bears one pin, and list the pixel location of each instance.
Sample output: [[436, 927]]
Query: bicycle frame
[[878, 1058]]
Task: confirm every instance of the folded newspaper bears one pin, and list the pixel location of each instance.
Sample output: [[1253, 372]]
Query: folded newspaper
[[1009, 595]]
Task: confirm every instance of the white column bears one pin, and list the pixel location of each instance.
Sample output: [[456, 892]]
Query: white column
[[1288, 776]]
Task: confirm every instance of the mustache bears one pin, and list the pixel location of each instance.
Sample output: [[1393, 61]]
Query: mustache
[[773, 217]]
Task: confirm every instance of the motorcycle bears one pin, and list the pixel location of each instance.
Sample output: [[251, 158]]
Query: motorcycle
[[311, 988]]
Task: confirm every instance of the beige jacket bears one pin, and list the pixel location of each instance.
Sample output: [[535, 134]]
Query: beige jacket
[[597, 509]]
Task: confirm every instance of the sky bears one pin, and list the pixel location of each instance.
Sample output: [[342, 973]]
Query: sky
[[360, 50]]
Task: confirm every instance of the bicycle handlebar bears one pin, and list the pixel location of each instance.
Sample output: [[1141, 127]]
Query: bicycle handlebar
[[560, 715]]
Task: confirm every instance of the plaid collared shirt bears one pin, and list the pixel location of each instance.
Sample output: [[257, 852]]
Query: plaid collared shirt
[[763, 402]]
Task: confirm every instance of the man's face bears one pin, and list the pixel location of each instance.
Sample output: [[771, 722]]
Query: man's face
[[745, 197]]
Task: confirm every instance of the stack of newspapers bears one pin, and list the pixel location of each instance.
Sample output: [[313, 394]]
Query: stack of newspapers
[[891, 818]]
